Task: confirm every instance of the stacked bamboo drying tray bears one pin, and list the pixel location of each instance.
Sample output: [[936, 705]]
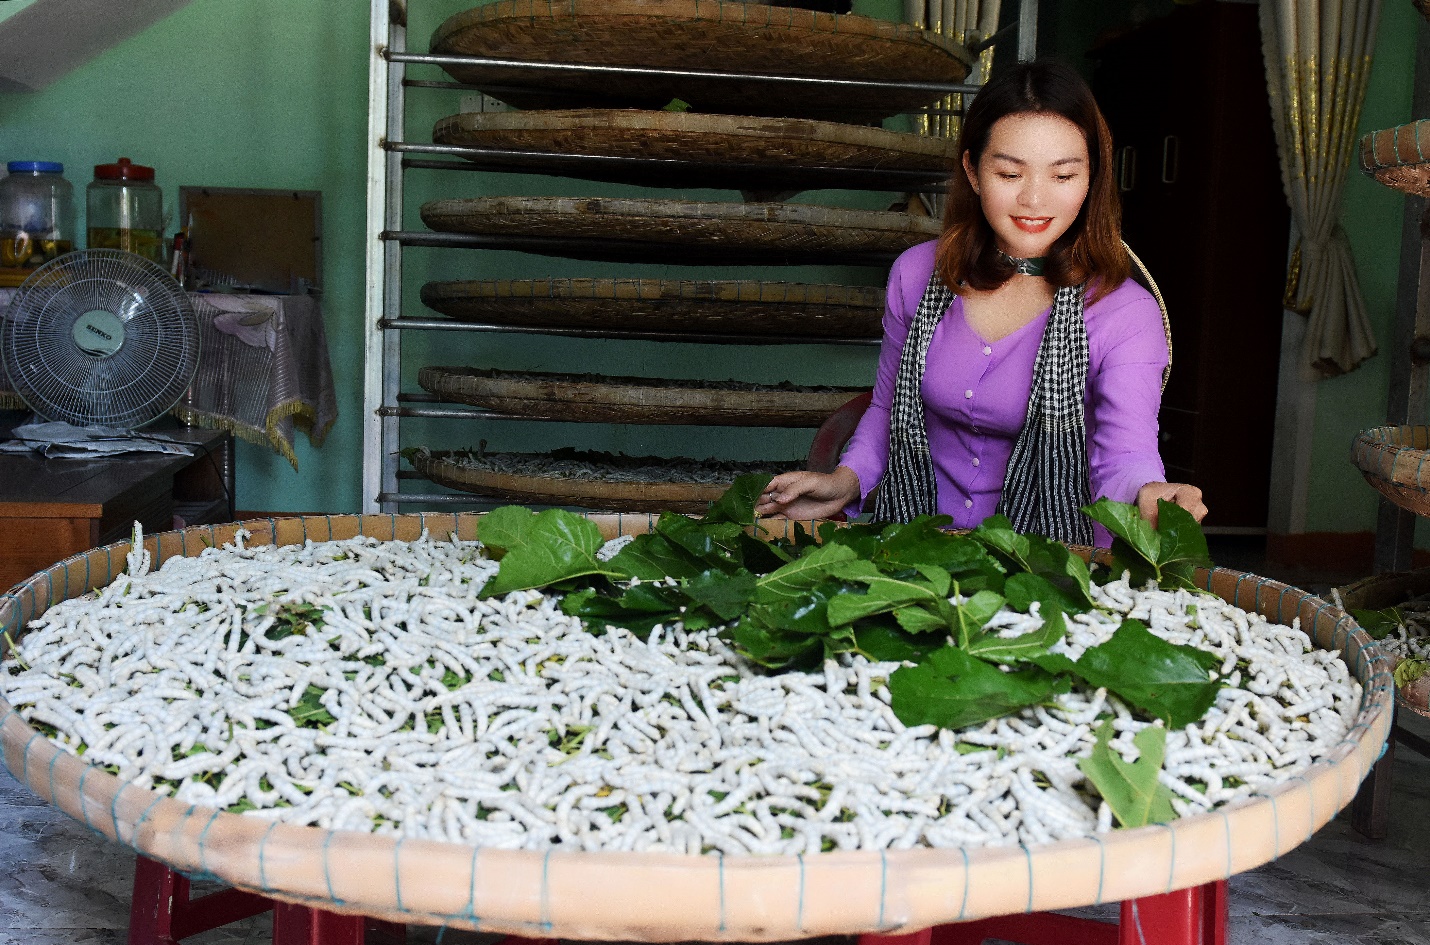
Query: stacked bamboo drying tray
[[1393, 458], [721, 37], [662, 307], [769, 137]]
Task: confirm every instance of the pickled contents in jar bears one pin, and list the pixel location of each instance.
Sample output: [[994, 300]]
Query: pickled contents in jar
[[21, 250], [146, 243]]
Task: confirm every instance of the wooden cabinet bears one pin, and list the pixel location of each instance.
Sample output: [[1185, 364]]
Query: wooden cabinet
[[1203, 206], [51, 509]]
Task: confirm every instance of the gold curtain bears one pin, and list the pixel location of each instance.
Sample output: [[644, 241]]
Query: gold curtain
[[1318, 56], [965, 22]]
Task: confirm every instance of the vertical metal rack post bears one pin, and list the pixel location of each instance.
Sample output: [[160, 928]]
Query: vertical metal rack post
[[382, 350]]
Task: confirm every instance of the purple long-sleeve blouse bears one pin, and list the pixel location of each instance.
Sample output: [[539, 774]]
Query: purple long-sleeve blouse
[[976, 396]]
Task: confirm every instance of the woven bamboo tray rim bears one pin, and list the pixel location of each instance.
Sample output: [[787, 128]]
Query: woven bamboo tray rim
[[1393, 459], [618, 32], [670, 897], [728, 225], [665, 305], [630, 399], [1380, 591], [604, 495], [692, 136], [1399, 157]]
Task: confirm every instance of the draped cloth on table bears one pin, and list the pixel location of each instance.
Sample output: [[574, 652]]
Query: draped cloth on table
[[264, 373], [1318, 58]]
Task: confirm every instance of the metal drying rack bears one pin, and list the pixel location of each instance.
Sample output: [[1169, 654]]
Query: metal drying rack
[[385, 404]]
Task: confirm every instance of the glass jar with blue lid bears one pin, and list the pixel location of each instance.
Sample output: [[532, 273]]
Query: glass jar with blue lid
[[37, 216]]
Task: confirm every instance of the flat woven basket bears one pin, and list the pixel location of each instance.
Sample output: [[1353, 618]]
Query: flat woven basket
[[733, 307], [1393, 460], [592, 398], [598, 490], [1381, 591], [668, 897], [730, 226], [698, 35], [691, 136], [1399, 157]]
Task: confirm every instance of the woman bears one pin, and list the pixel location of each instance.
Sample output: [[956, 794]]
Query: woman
[[1021, 368]]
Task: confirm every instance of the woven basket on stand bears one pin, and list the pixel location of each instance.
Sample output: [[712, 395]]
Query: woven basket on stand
[[699, 35], [665, 897], [1399, 157], [1393, 460], [586, 398], [664, 306]]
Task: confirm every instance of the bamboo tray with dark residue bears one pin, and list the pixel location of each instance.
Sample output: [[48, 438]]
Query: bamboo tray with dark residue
[[600, 481]]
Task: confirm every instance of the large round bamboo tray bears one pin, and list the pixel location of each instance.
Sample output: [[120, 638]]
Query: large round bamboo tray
[[1390, 590], [1399, 157], [662, 897], [594, 398], [654, 305], [691, 136], [676, 492], [699, 35], [1393, 460], [727, 226]]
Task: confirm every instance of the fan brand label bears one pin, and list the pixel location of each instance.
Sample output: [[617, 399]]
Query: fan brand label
[[98, 333]]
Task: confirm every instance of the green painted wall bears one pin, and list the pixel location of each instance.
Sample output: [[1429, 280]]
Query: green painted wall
[[1339, 499], [11, 7], [263, 93], [270, 93]]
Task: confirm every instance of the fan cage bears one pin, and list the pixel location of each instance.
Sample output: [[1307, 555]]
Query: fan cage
[[136, 384]]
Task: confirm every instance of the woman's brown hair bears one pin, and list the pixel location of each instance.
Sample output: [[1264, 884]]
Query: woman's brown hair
[[1091, 250]]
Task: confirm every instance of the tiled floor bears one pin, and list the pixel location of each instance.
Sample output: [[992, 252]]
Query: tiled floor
[[61, 884]]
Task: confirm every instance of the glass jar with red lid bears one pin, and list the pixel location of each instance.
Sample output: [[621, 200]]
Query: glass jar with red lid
[[126, 210]]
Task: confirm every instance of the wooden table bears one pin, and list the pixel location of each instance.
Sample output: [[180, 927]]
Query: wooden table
[[53, 508]]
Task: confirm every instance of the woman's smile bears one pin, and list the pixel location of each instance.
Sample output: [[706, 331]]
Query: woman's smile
[[1032, 224]]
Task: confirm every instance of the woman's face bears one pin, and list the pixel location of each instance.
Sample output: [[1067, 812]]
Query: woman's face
[[1031, 180]]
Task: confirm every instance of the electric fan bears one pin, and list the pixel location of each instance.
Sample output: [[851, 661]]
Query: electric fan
[[100, 337]]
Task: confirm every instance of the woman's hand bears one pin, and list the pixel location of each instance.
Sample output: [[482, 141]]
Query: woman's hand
[[807, 495], [1187, 496]]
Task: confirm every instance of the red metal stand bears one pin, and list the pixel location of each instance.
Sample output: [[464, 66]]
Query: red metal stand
[[163, 914], [1194, 916]]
